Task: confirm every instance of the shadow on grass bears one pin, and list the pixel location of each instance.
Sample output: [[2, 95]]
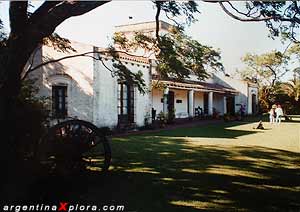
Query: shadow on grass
[[292, 121], [165, 174], [208, 131]]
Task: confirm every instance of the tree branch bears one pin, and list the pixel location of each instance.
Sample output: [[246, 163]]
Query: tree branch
[[171, 19], [17, 16], [274, 73], [55, 15], [239, 12], [85, 54], [256, 19], [54, 61], [158, 10], [45, 8], [296, 7], [31, 62]]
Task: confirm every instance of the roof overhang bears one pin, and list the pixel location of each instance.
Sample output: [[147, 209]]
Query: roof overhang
[[198, 86]]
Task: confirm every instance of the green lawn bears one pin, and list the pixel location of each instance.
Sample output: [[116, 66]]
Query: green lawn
[[224, 167]]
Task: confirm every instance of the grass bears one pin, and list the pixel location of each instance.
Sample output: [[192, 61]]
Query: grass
[[224, 167]]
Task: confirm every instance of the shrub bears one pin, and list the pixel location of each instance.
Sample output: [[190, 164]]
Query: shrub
[[216, 114], [227, 117], [31, 117], [171, 116], [162, 120], [147, 123]]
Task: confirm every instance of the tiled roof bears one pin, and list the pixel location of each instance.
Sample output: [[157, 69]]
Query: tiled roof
[[196, 85], [127, 56], [130, 57]]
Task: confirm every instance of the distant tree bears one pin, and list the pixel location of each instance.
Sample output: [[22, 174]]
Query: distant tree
[[267, 68], [282, 18], [288, 94], [292, 88]]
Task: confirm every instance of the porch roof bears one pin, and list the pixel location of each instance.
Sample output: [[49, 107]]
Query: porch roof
[[197, 86]]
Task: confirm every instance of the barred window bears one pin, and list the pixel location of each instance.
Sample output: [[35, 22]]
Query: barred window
[[126, 102], [59, 101]]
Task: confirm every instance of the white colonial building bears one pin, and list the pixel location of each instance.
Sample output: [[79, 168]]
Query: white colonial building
[[84, 87], [219, 94]]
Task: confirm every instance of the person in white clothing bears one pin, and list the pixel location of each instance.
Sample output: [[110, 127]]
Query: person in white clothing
[[279, 113], [271, 115]]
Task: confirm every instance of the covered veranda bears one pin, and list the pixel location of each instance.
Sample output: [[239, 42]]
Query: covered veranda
[[191, 98]]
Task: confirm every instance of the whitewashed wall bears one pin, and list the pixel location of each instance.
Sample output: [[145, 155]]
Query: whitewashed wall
[[199, 99], [245, 90], [91, 89], [157, 95], [106, 99], [181, 109], [76, 73], [218, 102], [251, 91]]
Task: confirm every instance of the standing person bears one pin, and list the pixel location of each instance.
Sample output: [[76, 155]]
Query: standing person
[[271, 115], [274, 106], [279, 113], [242, 111]]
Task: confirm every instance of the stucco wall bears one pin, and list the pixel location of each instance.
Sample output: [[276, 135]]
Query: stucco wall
[[105, 103], [199, 99], [181, 109], [157, 95], [106, 99], [76, 73], [143, 101], [91, 89], [245, 90], [251, 91], [218, 103]]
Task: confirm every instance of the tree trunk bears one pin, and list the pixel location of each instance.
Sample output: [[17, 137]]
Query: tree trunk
[[14, 59]]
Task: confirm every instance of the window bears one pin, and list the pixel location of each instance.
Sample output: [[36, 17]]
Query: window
[[125, 103], [59, 103]]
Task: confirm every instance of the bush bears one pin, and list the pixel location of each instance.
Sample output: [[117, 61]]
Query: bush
[[147, 123], [162, 119], [171, 116], [31, 117], [216, 114], [227, 117]]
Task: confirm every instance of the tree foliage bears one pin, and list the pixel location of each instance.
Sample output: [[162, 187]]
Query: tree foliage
[[267, 71], [292, 88], [35, 21], [2, 33], [33, 108], [177, 55], [281, 17], [267, 68], [174, 9]]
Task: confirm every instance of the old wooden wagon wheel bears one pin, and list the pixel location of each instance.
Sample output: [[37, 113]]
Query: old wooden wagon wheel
[[74, 145]]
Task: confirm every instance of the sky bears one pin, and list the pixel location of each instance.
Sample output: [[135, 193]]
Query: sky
[[213, 28]]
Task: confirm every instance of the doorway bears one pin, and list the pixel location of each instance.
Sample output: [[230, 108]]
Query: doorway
[[171, 98], [230, 105], [254, 105]]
